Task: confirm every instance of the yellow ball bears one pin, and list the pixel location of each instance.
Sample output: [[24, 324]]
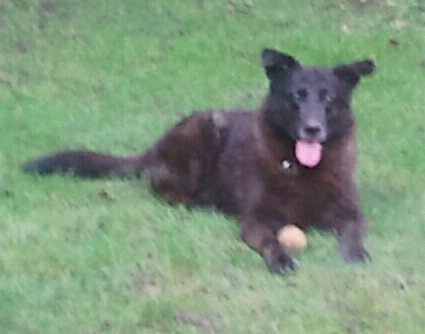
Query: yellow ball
[[292, 238]]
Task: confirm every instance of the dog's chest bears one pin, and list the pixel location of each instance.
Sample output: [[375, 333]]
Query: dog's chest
[[297, 195]]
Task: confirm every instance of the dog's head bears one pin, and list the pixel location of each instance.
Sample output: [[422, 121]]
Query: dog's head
[[311, 105]]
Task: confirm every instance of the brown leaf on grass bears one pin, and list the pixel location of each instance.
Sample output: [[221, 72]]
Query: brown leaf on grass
[[204, 323], [5, 80], [107, 194]]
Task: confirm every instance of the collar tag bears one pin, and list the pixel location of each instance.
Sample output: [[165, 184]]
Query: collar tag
[[289, 168], [286, 164]]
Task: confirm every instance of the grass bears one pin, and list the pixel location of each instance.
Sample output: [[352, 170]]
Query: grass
[[80, 256]]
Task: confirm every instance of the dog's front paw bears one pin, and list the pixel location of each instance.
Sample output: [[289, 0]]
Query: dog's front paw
[[354, 253], [278, 259], [351, 241]]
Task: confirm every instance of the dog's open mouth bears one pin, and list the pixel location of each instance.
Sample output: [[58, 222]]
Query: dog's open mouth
[[307, 153]]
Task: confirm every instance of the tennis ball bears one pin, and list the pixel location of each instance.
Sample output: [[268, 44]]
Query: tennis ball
[[292, 238]]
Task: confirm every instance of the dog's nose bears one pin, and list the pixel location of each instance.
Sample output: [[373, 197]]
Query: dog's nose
[[312, 131]]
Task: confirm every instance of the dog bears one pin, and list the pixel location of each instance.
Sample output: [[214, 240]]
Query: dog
[[289, 162]]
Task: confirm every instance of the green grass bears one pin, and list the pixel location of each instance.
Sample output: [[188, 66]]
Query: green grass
[[80, 256]]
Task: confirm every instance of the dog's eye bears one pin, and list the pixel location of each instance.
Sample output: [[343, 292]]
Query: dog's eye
[[324, 95], [299, 95]]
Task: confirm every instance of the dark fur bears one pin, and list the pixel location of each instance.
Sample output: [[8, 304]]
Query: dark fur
[[243, 163]]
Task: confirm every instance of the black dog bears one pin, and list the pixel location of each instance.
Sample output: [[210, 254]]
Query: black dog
[[291, 162]]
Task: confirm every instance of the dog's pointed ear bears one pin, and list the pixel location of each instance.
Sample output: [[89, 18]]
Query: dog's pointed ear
[[351, 73], [277, 63]]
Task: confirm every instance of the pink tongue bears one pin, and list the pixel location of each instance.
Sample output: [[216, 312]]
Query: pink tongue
[[308, 154]]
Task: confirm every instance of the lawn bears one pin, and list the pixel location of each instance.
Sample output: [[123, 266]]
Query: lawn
[[108, 256]]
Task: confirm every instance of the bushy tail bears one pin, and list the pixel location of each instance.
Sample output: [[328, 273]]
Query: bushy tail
[[90, 164]]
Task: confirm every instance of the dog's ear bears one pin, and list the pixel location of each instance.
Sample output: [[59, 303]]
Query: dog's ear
[[351, 73], [277, 63]]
